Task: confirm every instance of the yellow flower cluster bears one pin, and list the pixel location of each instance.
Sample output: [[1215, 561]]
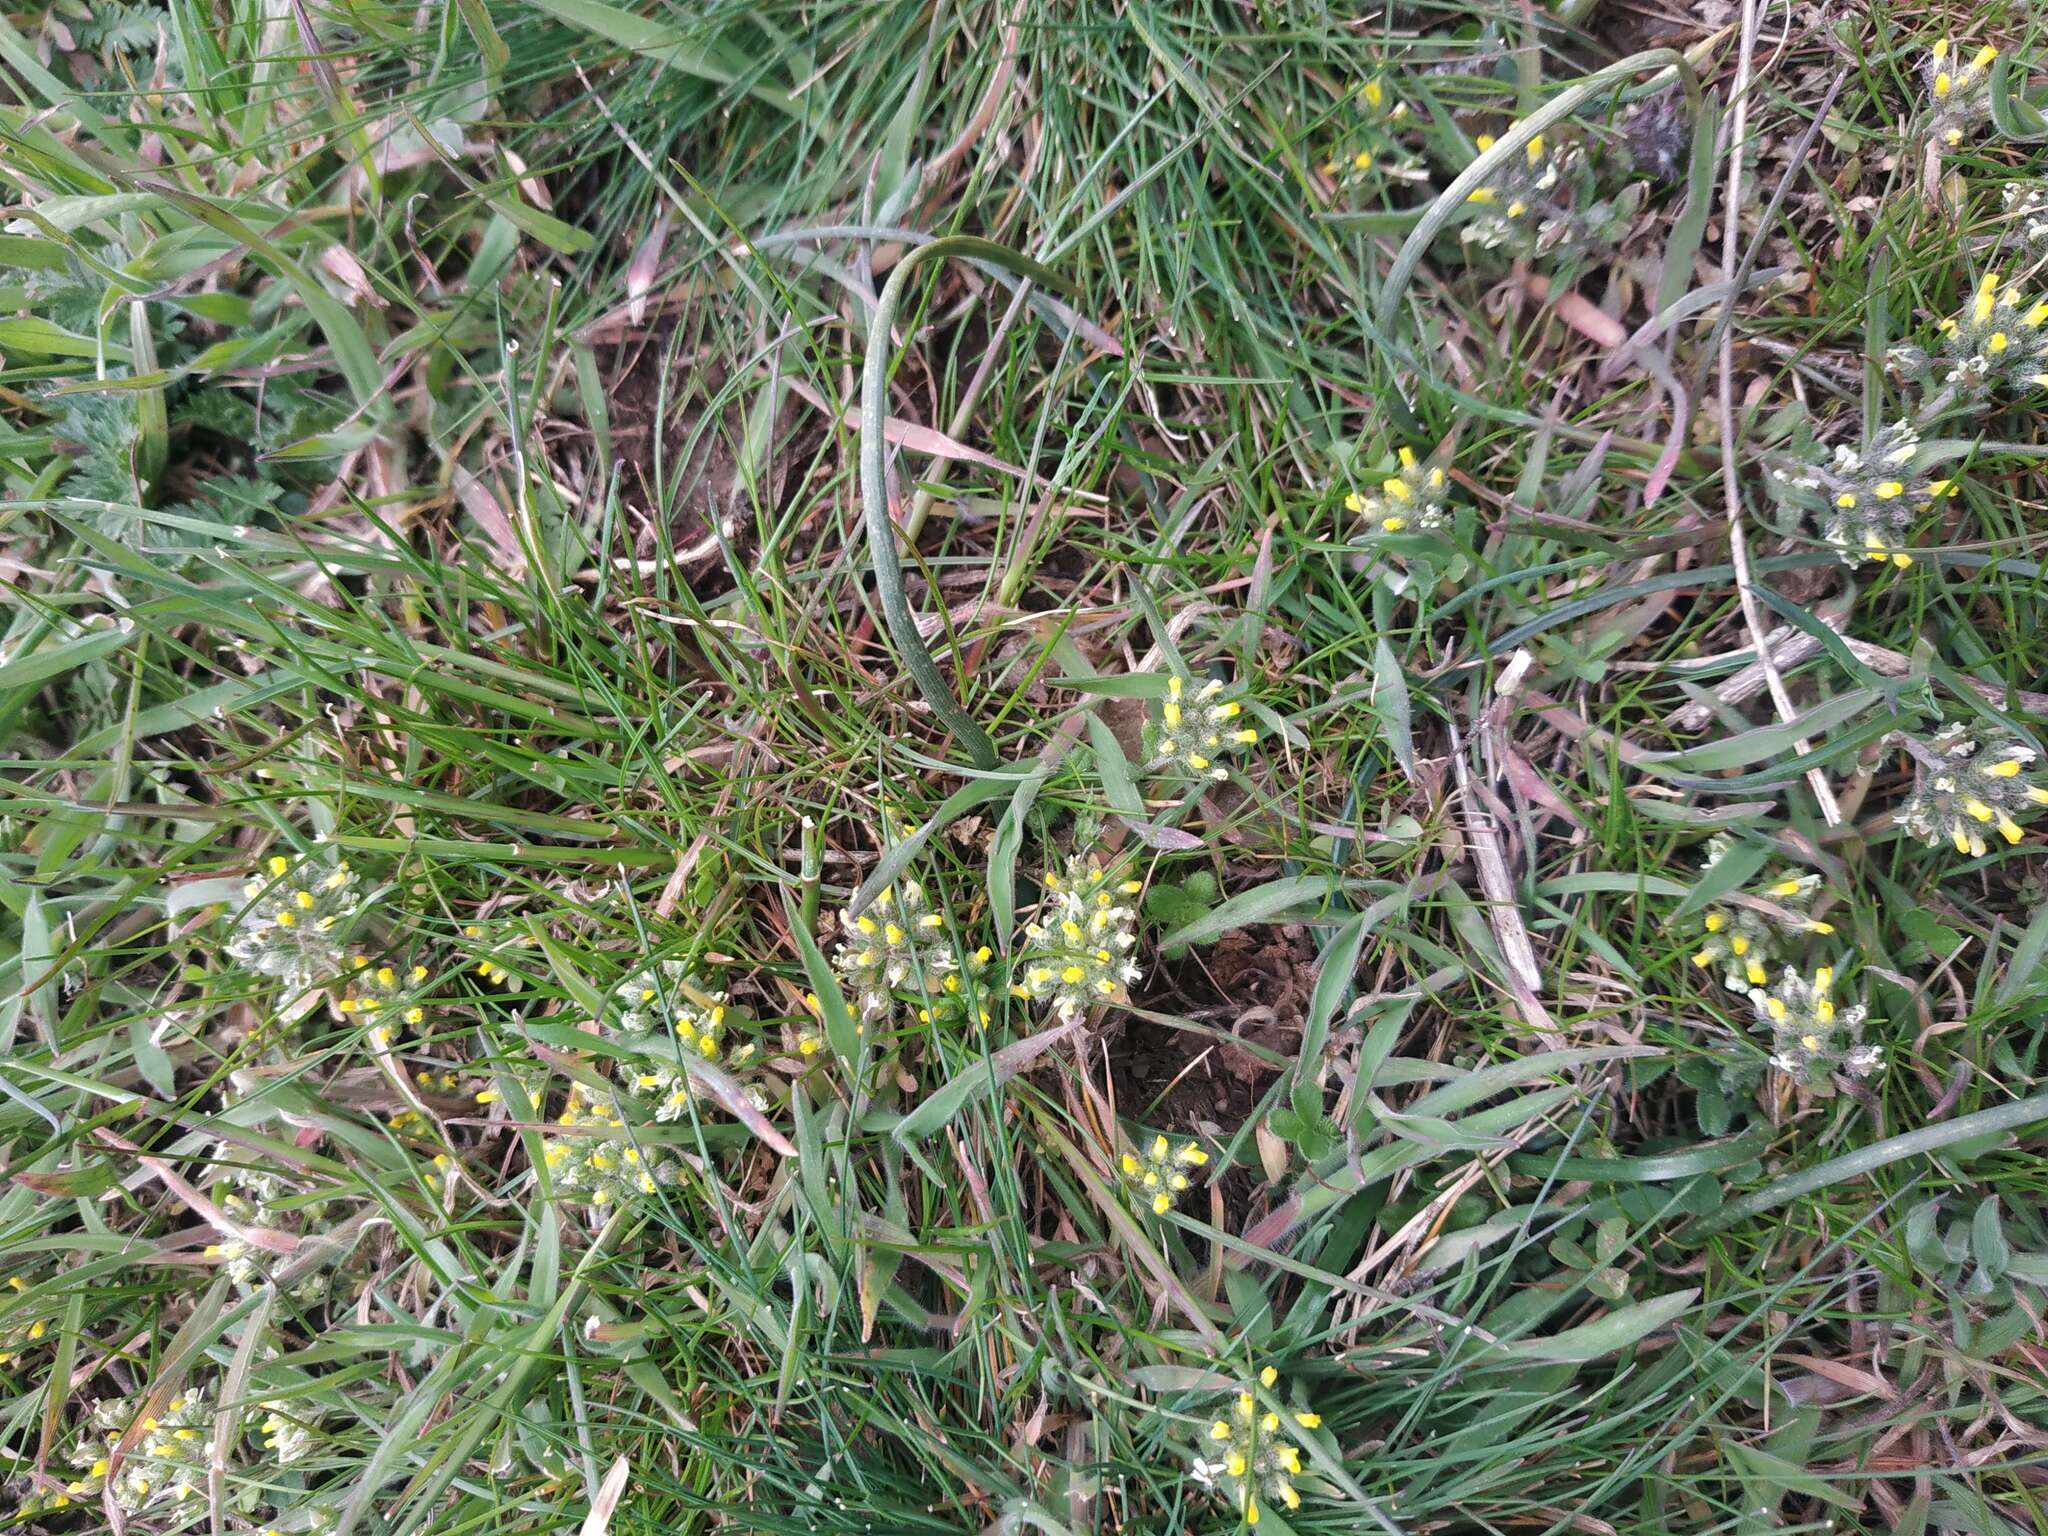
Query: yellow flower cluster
[[664, 1001], [1960, 96], [295, 921], [1870, 499], [898, 942], [597, 1164], [1744, 940], [285, 1432], [2000, 338], [1161, 1172], [169, 1461], [1077, 955], [490, 967], [1255, 1455], [16, 1338], [1516, 189], [379, 993], [1965, 785], [1811, 1034], [1412, 499], [1382, 107], [1189, 734]]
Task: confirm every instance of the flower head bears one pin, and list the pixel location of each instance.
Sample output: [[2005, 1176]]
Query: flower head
[[898, 942], [1958, 93], [1965, 784], [170, 1461], [1811, 1034], [1192, 732], [1160, 1172], [597, 1163], [1077, 954], [490, 966], [1410, 500], [2001, 338], [1518, 188], [287, 1429], [382, 996], [949, 1004], [671, 1011], [296, 920], [1252, 1454], [1866, 500], [2026, 205], [1743, 940]]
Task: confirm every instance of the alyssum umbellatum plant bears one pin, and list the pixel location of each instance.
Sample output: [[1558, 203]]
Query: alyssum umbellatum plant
[[295, 921], [1412, 499], [898, 942], [1160, 1172], [1811, 1034], [1251, 1454], [1190, 733], [1966, 780], [1077, 952]]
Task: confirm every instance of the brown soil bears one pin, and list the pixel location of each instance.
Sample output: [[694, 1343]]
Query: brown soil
[[1253, 983], [656, 401]]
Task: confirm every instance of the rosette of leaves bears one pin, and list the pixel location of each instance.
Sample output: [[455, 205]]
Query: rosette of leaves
[[1992, 1270]]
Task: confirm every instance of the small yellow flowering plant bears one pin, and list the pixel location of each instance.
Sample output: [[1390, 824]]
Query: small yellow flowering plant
[[1194, 728], [1253, 1455], [1867, 500], [899, 942], [296, 920], [1742, 941], [286, 1429], [170, 1461], [668, 1009], [1377, 153], [1160, 1173], [1968, 782], [256, 1196], [1077, 953], [1518, 190], [1411, 500], [2000, 339], [596, 1164], [1958, 93], [18, 1338], [1813, 1035], [382, 996], [491, 966]]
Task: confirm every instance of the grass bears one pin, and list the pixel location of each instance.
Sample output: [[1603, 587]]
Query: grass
[[433, 439]]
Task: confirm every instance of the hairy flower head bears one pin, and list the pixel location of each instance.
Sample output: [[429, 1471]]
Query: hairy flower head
[[2000, 338], [1517, 189], [1744, 940], [1253, 1454], [1077, 954], [1867, 499], [1194, 728], [296, 919], [1969, 782], [1958, 91], [672, 1013], [1158, 1172], [1812, 1032], [596, 1161], [1413, 499], [898, 943]]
